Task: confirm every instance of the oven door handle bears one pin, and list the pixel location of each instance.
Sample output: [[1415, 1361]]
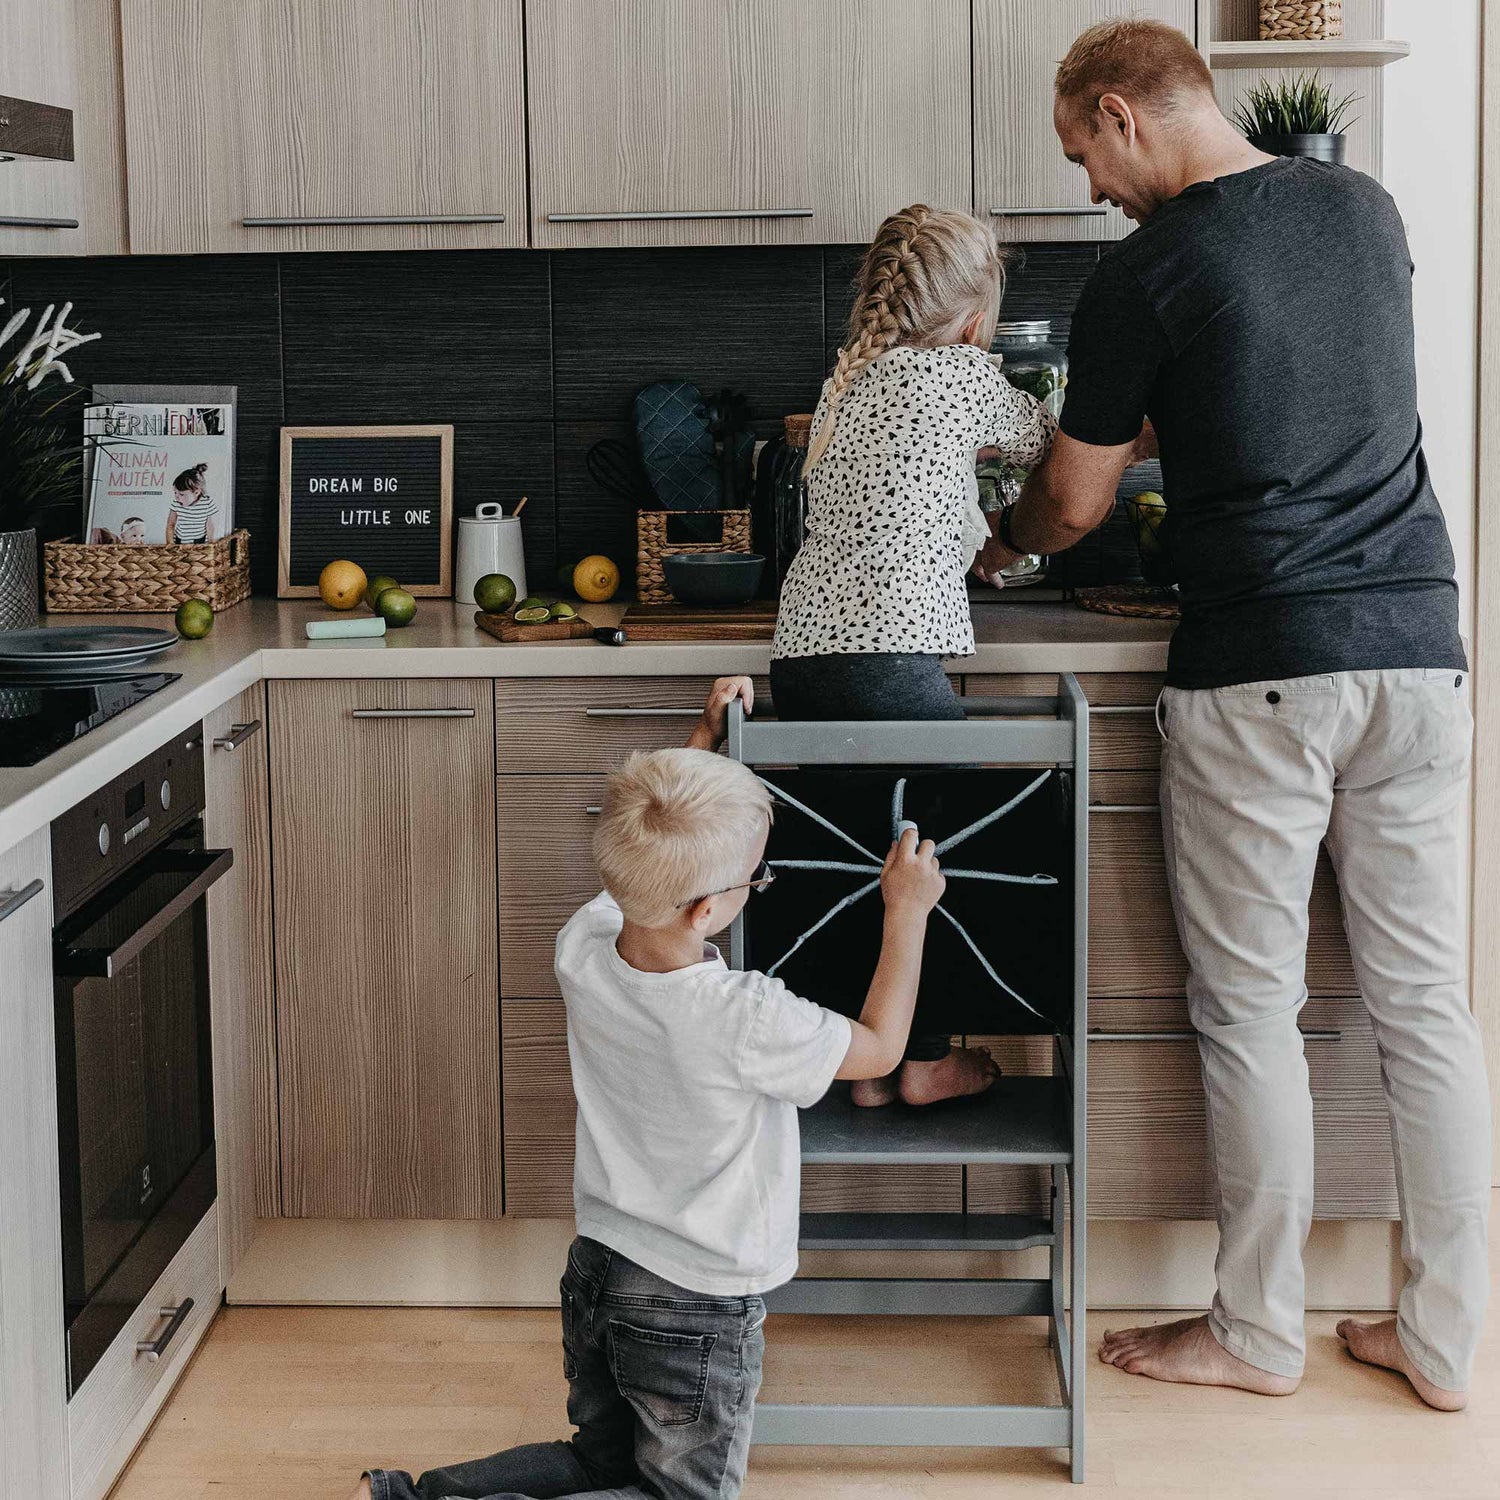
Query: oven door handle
[[206, 866]]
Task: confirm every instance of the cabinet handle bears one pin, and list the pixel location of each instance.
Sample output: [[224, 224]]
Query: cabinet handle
[[153, 1349], [1310, 1035], [1122, 708], [411, 713], [642, 713], [1092, 211], [238, 734], [337, 221], [660, 215], [27, 222], [12, 901], [593, 812], [1123, 807]]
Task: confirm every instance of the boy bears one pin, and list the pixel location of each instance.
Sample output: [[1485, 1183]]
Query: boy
[[688, 1076]]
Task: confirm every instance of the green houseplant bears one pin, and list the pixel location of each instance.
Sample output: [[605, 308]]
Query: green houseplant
[[41, 455], [1295, 117]]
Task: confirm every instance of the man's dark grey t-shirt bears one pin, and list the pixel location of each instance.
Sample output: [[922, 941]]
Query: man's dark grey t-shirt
[[1263, 322]]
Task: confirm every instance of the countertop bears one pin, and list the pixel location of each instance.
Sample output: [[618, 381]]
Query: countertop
[[264, 638]]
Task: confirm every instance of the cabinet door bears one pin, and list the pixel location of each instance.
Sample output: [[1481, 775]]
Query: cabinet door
[[40, 201], [387, 1006], [238, 817], [1021, 178], [33, 1381], [282, 125], [669, 122]]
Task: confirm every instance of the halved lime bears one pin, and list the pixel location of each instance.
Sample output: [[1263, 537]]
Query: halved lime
[[562, 610], [531, 602], [538, 614]]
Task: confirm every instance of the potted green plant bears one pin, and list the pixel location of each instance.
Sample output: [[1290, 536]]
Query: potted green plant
[[41, 451], [1295, 117]]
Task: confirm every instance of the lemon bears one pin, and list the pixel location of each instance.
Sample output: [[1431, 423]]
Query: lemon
[[195, 618], [396, 607], [596, 579], [377, 586], [538, 614], [342, 584], [562, 610], [494, 593]]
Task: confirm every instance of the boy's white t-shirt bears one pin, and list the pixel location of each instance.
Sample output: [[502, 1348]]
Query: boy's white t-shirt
[[688, 1086]]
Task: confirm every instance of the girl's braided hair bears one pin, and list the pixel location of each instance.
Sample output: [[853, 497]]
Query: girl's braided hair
[[926, 274]]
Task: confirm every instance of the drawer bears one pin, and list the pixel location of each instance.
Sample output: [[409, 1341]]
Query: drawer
[[1122, 727], [114, 1406], [1133, 947], [1147, 1148], [589, 724]]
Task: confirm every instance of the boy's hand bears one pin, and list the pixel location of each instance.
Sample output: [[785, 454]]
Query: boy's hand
[[912, 880], [709, 732]]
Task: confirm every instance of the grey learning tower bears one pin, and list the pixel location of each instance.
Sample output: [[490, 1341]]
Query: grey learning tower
[[1018, 1121]]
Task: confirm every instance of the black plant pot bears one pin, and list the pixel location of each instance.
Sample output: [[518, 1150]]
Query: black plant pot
[[1328, 148]]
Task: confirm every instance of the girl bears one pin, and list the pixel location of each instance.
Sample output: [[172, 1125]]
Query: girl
[[876, 598]]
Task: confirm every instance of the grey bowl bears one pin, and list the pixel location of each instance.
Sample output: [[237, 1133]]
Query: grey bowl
[[709, 579]]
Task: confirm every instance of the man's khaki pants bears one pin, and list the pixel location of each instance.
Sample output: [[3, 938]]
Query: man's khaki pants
[[1254, 778]]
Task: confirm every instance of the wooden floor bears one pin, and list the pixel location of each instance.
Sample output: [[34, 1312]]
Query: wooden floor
[[294, 1401]]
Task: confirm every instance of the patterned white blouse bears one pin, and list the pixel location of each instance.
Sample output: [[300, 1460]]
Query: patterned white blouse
[[893, 518]]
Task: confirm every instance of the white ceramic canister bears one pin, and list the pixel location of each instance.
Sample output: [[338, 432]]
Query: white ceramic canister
[[489, 541]]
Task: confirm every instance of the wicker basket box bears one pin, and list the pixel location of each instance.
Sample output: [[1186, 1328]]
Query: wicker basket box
[[1301, 20], [112, 579], [653, 543]]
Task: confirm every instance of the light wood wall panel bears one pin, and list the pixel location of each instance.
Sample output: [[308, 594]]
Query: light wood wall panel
[[99, 127]]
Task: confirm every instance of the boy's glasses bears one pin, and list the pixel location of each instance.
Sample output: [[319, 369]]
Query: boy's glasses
[[762, 876]]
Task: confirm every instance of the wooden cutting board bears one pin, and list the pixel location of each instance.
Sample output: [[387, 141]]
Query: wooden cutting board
[[755, 621], [506, 629]]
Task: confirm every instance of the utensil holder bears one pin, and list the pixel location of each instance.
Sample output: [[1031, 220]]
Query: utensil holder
[[118, 579], [1301, 20], [656, 536]]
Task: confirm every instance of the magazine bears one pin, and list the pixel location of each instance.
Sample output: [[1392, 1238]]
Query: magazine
[[161, 471]]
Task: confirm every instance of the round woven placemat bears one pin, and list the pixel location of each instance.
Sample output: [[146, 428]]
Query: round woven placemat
[[1138, 601]]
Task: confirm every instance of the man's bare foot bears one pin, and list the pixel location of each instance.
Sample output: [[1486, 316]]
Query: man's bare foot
[[1377, 1344], [871, 1093], [965, 1070], [362, 1492], [1187, 1352]]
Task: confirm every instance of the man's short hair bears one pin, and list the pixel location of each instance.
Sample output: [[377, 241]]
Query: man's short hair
[[1147, 63], [676, 825]]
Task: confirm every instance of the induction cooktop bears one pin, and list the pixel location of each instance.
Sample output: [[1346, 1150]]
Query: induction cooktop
[[39, 717]]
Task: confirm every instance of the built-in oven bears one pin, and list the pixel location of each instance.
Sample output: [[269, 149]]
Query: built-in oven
[[134, 1058]]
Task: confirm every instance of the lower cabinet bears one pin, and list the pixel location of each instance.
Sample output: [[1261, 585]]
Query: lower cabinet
[[387, 1001]]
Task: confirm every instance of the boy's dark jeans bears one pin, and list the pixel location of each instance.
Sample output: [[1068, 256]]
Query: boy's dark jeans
[[662, 1384]]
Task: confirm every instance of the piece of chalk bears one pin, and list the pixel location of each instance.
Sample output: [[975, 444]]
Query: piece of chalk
[[323, 630], [902, 826]]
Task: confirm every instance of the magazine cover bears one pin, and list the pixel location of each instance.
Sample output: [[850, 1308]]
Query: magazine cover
[[161, 465]]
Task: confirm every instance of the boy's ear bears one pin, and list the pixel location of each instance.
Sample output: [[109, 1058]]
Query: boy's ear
[[700, 915]]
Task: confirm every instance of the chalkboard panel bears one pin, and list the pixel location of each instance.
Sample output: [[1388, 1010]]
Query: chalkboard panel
[[380, 496]]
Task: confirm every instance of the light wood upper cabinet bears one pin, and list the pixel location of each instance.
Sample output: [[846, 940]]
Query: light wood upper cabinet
[[387, 1003], [1021, 178], [670, 122], [377, 125]]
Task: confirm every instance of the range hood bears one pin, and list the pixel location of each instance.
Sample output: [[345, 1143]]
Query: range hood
[[34, 132]]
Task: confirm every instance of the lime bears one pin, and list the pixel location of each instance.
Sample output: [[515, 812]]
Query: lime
[[562, 610], [494, 593], [377, 586], [396, 607], [565, 578], [531, 602], [538, 614], [195, 618]]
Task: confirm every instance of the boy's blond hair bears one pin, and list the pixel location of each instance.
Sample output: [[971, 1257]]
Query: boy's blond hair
[[925, 271], [676, 825]]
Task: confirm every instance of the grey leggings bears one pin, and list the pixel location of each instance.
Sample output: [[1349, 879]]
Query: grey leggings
[[874, 685]]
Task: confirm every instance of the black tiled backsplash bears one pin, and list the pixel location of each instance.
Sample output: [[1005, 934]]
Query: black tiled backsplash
[[532, 355]]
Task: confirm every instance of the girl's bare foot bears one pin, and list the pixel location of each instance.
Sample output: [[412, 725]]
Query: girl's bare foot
[[1378, 1344], [1187, 1352], [965, 1070], [871, 1093]]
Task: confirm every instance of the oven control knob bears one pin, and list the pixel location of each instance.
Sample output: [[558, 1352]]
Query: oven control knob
[[104, 838], [166, 795]]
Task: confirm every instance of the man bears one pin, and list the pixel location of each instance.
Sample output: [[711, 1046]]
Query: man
[[1260, 317]]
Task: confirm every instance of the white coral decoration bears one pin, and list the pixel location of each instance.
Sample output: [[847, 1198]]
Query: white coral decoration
[[41, 355]]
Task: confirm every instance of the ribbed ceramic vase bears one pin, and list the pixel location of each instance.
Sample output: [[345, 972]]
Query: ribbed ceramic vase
[[18, 598]]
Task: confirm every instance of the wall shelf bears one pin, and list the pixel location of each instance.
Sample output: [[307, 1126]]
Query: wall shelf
[[1333, 54]]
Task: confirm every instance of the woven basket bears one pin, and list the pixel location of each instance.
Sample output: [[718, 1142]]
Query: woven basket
[[111, 579], [1301, 20], [652, 545]]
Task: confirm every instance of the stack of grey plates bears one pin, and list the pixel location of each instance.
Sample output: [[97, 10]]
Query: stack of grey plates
[[68, 653]]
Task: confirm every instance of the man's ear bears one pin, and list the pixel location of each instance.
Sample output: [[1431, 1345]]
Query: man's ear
[[1118, 116]]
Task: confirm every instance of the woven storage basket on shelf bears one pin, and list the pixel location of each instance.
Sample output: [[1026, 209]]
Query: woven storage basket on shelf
[[1301, 20], [112, 579], [652, 545]]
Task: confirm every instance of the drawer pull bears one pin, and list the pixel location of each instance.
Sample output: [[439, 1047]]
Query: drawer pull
[[339, 221], [1310, 1035], [1073, 211], [27, 222], [1124, 807], [1122, 708], [12, 901], [664, 215], [153, 1349], [238, 734], [411, 713], [643, 713], [593, 812]]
